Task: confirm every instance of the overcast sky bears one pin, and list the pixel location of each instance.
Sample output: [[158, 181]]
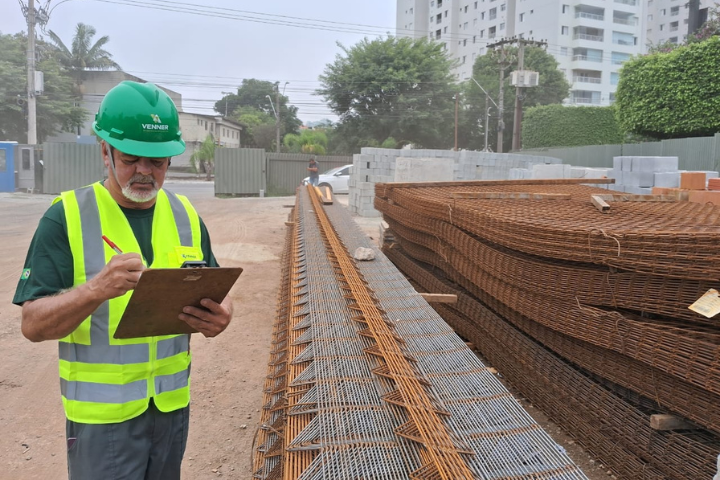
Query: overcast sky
[[200, 52]]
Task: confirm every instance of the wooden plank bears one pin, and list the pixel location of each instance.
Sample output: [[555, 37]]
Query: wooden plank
[[670, 422], [490, 183], [511, 195], [629, 197], [439, 297], [600, 203], [327, 196], [289, 224]]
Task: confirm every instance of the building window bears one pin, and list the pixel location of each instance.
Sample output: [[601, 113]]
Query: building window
[[674, 11], [463, 59], [563, 51], [674, 26], [411, 11], [465, 9], [502, 7], [474, 22], [564, 30], [438, 32], [465, 26], [482, 33], [475, 5], [565, 8], [673, 39], [663, 12], [662, 27], [438, 19], [502, 26], [482, 16], [446, 13], [444, 29], [474, 37], [522, 17], [650, 17], [465, 42], [439, 3], [614, 78], [493, 14]]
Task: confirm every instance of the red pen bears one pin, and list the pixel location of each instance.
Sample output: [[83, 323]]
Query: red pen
[[112, 245]]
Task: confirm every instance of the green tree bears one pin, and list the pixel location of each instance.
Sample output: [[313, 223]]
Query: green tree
[[204, 157], [552, 88], [253, 121], [671, 95], [309, 141], [251, 101], [394, 87], [56, 108], [84, 55]]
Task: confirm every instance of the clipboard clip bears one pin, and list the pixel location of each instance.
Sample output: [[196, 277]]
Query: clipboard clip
[[194, 264]]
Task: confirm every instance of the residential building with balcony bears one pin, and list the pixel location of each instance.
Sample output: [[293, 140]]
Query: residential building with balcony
[[667, 20], [590, 38]]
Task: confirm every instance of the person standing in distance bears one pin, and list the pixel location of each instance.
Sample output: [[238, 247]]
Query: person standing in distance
[[313, 169], [126, 400]]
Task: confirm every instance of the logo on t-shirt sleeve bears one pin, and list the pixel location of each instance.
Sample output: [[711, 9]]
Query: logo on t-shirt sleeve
[[25, 274]]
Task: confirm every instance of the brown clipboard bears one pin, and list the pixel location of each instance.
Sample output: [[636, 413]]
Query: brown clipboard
[[161, 294]]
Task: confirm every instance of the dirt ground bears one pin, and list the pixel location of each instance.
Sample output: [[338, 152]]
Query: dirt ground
[[228, 371]]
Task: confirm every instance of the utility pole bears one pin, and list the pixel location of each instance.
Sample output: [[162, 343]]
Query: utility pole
[[517, 122], [277, 117], [487, 112], [456, 121], [501, 111], [31, 100]]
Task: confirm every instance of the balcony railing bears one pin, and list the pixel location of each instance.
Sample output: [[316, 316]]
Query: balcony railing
[[674, 28], [632, 3], [621, 41], [584, 79], [591, 16], [585, 100], [619, 62], [625, 21], [585, 58], [583, 36]]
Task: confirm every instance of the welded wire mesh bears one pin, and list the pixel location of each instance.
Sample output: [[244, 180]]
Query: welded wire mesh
[[616, 430], [384, 387], [689, 352], [670, 239]]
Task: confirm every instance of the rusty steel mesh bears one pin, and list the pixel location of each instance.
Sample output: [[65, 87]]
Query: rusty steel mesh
[[670, 239], [626, 330], [365, 380]]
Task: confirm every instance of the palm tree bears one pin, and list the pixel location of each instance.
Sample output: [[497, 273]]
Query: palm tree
[[84, 55], [204, 156]]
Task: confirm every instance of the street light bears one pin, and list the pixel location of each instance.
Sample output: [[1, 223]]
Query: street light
[[226, 99], [487, 112]]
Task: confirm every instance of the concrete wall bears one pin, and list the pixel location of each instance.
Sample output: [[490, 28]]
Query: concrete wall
[[375, 165]]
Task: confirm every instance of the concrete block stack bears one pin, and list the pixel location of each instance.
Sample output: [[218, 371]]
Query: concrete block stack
[[639, 175], [375, 165]]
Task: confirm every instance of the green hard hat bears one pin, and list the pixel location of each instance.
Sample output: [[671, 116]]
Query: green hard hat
[[140, 119]]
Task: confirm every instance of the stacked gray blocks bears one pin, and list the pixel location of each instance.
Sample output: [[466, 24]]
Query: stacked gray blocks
[[375, 165], [639, 174]]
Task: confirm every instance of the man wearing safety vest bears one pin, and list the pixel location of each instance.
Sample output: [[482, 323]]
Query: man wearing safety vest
[[126, 401]]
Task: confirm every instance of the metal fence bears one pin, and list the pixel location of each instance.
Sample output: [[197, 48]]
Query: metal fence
[[286, 170], [70, 165], [700, 153], [238, 171]]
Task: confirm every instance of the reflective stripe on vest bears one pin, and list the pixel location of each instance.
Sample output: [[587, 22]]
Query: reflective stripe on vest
[[127, 365]]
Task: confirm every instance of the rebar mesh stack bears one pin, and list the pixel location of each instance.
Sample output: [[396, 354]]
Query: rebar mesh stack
[[626, 344], [367, 381]]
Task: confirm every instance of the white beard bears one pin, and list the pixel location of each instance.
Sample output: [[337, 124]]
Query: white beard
[[139, 196]]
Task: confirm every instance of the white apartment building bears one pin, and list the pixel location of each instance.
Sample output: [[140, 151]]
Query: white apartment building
[[667, 20], [589, 38]]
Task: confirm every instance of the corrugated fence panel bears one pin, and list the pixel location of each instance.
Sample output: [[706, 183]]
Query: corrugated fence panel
[[693, 153], [70, 165], [239, 171], [701, 153], [286, 170]]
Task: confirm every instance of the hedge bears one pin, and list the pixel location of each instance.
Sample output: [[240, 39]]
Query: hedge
[[560, 126], [672, 95]]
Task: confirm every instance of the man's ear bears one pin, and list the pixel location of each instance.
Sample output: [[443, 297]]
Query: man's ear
[[105, 152]]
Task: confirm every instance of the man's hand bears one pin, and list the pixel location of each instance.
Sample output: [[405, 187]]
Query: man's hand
[[120, 275], [212, 319]]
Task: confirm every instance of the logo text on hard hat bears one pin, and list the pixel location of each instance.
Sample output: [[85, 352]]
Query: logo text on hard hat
[[157, 125]]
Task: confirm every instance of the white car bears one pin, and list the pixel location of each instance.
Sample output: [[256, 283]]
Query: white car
[[335, 178]]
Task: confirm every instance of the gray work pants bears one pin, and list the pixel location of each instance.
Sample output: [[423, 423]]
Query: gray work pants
[[148, 447]]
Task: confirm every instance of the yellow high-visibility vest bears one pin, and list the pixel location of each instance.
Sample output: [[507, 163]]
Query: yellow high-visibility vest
[[109, 380]]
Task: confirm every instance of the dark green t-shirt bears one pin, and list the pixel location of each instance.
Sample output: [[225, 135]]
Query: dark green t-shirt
[[49, 264]]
